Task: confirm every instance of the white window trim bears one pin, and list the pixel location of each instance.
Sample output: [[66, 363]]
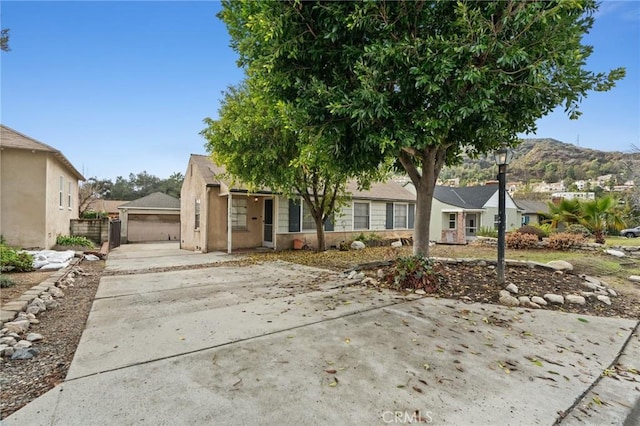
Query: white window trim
[[197, 214], [61, 194], [353, 215], [246, 216], [69, 196], [455, 221], [406, 216]]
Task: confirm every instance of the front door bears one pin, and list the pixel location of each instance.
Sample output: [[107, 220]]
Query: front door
[[267, 239], [471, 225]]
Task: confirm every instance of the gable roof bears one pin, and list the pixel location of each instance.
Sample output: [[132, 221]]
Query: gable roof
[[157, 200], [10, 138], [532, 206], [470, 197], [382, 191]]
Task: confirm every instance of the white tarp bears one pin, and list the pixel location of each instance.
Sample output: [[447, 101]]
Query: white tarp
[[50, 259]]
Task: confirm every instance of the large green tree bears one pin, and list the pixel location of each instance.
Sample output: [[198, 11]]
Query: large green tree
[[420, 82], [4, 40], [266, 144]]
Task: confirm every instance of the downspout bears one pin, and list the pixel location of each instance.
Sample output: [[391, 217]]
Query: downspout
[[229, 223]]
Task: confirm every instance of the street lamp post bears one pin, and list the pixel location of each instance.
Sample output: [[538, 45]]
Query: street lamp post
[[502, 157]]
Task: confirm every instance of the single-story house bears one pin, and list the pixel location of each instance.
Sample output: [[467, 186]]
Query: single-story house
[[110, 207], [533, 211], [38, 191], [221, 215], [155, 217], [458, 213]]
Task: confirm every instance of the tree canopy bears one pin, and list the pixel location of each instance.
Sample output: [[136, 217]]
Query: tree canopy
[[419, 82]]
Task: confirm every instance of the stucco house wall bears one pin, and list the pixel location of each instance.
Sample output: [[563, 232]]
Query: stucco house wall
[[31, 212]]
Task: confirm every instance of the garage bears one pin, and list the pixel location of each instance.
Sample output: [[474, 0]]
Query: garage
[[153, 218]]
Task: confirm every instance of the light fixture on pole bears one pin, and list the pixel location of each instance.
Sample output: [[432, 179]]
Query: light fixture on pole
[[502, 157]]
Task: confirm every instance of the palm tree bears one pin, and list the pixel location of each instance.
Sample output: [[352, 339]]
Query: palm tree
[[566, 212], [601, 215]]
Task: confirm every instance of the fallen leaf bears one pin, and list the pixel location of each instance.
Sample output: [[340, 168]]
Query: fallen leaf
[[182, 338], [330, 371], [347, 340], [333, 384], [426, 366], [583, 320], [417, 389]]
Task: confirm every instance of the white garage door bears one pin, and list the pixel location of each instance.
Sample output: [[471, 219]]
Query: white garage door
[[153, 227]]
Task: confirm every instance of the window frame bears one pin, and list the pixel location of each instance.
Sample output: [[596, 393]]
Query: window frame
[[452, 220], [61, 193], [406, 215], [197, 214], [236, 215], [69, 195], [368, 204]]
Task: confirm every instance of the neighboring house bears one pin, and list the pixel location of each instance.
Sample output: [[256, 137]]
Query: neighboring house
[[155, 217], [575, 195], [533, 211], [110, 207], [221, 215], [38, 191], [458, 213]]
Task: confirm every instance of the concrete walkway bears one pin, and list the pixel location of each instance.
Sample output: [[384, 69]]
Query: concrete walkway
[[277, 343]]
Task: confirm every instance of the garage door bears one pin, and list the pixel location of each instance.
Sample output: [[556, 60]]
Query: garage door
[[153, 227]]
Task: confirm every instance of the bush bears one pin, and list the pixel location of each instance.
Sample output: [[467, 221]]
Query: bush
[[532, 230], [578, 230], [65, 240], [5, 282], [519, 240], [93, 215], [487, 231], [565, 241], [13, 260], [414, 272]]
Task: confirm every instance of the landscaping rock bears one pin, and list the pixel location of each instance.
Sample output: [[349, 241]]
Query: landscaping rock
[[34, 337], [357, 245], [554, 298], [634, 278], [420, 291], [616, 253], [56, 292], [396, 244], [560, 265], [574, 299], [539, 301], [22, 344], [512, 288], [604, 299], [612, 292], [25, 353], [508, 300], [17, 327]]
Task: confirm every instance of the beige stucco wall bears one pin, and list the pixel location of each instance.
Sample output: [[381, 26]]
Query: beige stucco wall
[[58, 220], [124, 220], [23, 197], [193, 188], [218, 220]]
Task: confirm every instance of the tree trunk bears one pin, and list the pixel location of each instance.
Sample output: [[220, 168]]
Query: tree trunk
[[423, 217], [599, 237], [320, 234]]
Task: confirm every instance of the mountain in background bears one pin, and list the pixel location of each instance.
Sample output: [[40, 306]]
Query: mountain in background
[[548, 160]]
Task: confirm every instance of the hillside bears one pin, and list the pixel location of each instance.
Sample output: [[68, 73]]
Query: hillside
[[549, 160]]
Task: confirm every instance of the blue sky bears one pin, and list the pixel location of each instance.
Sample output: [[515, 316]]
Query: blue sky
[[122, 86]]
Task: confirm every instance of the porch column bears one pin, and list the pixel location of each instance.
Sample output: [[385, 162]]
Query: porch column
[[229, 224]]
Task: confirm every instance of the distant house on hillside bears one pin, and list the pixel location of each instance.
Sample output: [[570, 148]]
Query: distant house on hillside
[[218, 214], [155, 217], [38, 191], [458, 213]]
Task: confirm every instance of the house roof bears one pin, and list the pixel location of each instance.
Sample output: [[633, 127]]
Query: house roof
[[470, 197], [10, 138], [389, 191], [157, 200], [109, 206], [532, 206]]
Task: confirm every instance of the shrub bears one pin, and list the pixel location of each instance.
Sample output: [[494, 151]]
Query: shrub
[[415, 272], [565, 241], [5, 282], [65, 240], [487, 231], [13, 260], [578, 230], [532, 230], [519, 240], [93, 215]]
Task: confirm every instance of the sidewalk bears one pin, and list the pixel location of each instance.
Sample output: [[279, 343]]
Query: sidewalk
[[285, 344]]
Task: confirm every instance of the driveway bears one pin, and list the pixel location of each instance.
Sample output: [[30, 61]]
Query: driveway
[[277, 343]]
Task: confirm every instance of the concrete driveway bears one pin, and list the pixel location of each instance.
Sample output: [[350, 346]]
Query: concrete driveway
[[277, 343]]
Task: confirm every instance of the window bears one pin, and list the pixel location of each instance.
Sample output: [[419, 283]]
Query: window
[[526, 219], [197, 210], [61, 190], [496, 221], [308, 224], [452, 221], [69, 197], [239, 214], [360, 215], [400, 216]]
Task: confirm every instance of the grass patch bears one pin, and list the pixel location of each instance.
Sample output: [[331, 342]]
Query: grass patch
[[622, 241]]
